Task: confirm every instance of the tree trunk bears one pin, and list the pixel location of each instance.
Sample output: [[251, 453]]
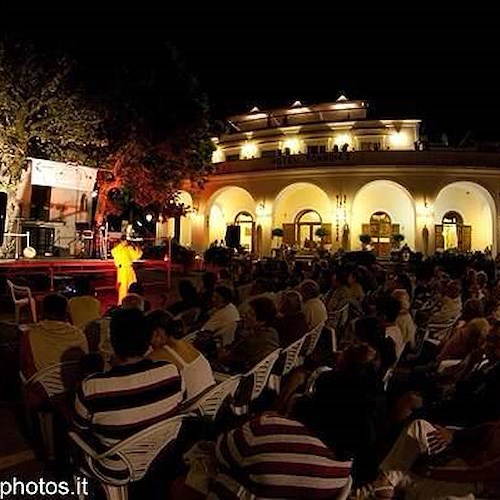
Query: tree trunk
[[9, 243], [15, 190]]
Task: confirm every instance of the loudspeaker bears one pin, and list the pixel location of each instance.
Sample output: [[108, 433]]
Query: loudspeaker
[[3, 213], [233, 234]]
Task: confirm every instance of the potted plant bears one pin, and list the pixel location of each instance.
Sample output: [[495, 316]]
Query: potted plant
[[397, 239], [322, 233], [365, 240]]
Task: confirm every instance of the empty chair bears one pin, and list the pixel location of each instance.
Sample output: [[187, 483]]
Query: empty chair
[[21, 295]]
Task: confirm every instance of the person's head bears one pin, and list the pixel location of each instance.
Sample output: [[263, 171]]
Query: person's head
[[262, 312], [452, 289], [224, 274], [223, 296], [161, 326], [368, 330], [187, 291], [123, 238], [477, 330], [209, 281], [473, 308], [55, 307], [339, 279], [356, 358], [128, 333], [136, 288], [309, 289], [133, 301], [259, 286], [352, 277], [391, 308], [482, 278], [403, 298], [291, 303], [491, 344]]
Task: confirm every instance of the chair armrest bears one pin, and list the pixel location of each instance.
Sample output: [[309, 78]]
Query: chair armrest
[[83, 445], [220, 377]]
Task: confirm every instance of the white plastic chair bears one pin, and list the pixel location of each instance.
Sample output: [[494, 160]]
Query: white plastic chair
[[21, 295], [135, 453], [339, 317], [258, 377], [289, 359], [55, 380], [311, 340], [210, 403]]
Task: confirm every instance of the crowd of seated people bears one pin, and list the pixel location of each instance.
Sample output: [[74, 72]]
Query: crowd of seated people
[[420, 353]]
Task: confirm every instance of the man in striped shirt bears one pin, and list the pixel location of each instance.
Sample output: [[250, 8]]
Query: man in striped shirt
[[274, 457], [133, 395]]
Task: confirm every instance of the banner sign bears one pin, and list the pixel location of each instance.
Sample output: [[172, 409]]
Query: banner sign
[[62, 175]]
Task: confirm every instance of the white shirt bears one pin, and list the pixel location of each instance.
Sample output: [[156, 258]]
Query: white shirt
[[223, 320], [197, 375], [395, 334], [315, 312]]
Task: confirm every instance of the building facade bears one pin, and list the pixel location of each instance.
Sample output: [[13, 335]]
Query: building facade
[[329, 166]]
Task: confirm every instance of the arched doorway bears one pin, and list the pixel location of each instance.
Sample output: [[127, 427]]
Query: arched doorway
[[452, 234], [381, 230], [301, 208], [389, 198], [224, 208], [245, 221], [306, 224], [464, 218]]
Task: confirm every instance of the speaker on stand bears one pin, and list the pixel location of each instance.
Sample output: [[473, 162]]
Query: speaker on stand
[[233, 235]]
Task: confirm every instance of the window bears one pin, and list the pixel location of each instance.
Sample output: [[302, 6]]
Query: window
[[452, 218], [316, 150], [246, 223], [370, 146], [270, 153], [233, 157], [84, 206], [40, 203], [307, 222]]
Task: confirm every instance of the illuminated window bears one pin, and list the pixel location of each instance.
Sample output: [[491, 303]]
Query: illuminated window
[[306, 224]]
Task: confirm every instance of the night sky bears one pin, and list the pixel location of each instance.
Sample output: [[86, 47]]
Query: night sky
[[441, 66]]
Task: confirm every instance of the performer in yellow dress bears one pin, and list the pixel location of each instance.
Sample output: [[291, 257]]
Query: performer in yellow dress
[[124, 255]]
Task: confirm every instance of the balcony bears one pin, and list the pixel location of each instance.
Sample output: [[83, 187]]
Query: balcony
[[448, 158]]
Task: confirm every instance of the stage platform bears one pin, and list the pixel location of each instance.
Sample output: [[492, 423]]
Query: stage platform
[[52, 274]]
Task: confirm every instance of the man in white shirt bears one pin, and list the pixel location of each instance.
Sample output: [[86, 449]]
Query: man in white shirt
[[225, 316]]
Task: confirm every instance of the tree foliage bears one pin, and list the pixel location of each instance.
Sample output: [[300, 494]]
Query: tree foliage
[[43, 113], [159, 130]]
